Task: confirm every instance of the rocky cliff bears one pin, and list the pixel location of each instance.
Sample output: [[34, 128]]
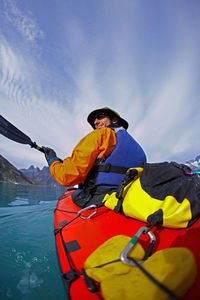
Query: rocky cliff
[[10, 174]]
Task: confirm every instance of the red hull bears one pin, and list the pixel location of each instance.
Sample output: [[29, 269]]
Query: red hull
[[105, 224]]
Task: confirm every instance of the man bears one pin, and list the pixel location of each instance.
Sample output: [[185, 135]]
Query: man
[[100, 160]]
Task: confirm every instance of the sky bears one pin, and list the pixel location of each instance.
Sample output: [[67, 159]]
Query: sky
[[60, 59]]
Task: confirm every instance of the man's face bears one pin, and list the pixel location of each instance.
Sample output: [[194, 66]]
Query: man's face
[[101, 121]]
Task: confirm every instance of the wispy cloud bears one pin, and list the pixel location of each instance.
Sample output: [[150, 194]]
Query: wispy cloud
[[27, 25], [12, 72], [25, 105]]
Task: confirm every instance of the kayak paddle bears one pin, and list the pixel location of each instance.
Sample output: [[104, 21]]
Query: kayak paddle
[[12, 133]]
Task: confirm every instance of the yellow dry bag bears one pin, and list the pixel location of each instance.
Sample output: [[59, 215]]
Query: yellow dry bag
[[160, 190]]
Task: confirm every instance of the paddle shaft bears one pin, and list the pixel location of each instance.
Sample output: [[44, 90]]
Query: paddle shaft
[[34, 145]]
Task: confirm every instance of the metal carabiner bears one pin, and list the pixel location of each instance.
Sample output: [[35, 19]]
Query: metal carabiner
[[124, 258], [87, 208]]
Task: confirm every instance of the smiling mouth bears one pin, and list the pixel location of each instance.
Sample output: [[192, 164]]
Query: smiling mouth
[[99, 126]]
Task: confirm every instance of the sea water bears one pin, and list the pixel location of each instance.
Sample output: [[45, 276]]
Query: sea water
[[29, 268]]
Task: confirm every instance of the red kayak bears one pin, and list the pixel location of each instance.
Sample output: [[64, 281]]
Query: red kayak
[[79, 232]]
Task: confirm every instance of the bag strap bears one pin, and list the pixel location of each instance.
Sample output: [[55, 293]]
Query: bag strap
[[130, 175]]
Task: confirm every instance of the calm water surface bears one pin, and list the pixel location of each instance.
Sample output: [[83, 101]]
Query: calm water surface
[[29, 268]]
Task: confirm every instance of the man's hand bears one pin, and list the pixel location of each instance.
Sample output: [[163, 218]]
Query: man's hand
[[50, 155]]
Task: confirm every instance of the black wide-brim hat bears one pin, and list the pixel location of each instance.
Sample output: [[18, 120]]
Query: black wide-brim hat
[[110, 113]]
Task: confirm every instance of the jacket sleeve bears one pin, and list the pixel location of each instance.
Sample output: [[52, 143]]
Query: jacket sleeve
[[74, 169]]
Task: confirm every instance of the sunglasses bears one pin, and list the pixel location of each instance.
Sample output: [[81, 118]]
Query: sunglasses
[[100, 116]]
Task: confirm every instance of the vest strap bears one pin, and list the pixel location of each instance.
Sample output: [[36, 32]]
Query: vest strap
[[108, 168]]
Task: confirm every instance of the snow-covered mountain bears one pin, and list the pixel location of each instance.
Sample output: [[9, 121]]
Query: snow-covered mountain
[[194, 164]]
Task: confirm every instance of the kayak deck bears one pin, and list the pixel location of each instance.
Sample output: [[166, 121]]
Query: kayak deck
[[82, 236]]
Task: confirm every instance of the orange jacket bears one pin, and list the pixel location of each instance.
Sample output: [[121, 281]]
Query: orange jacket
[[74, 169]]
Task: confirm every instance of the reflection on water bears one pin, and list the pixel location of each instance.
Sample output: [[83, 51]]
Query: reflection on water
[[18, 194], [29, 267]]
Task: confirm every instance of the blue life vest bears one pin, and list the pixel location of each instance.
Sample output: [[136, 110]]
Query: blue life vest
[[126, 154]]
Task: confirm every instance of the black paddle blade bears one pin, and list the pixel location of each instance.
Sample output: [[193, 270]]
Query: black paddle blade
[[11, 132]]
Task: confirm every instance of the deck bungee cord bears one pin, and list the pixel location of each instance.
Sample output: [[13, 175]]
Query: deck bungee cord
[[73, 274]]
